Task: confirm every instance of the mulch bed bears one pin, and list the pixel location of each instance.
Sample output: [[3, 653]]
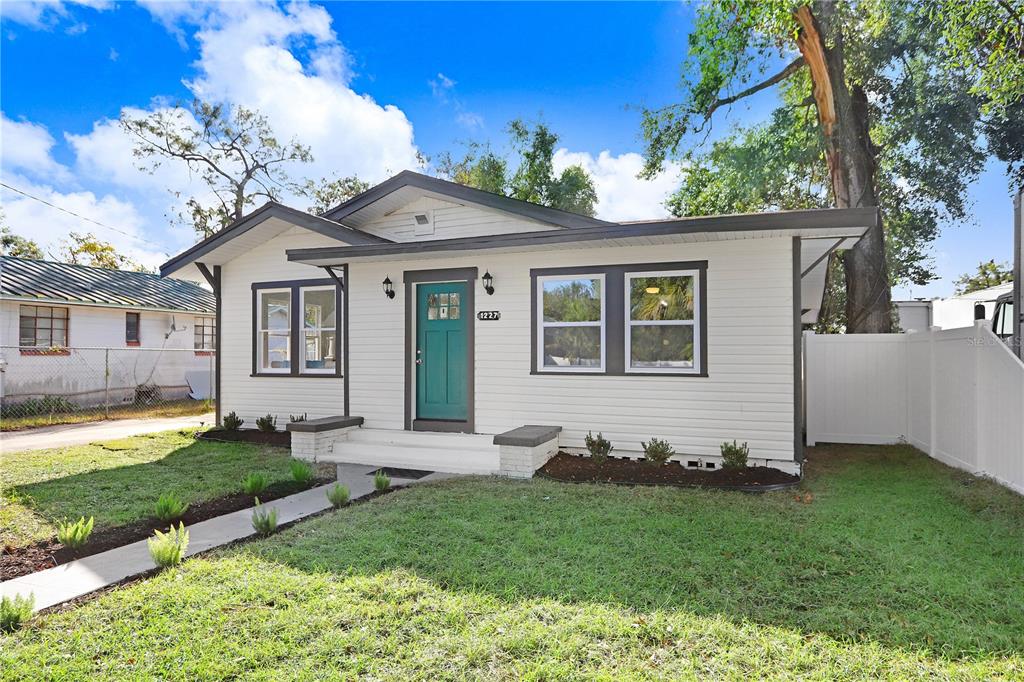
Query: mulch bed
[[19, 561], [281, 439], [578, 469]]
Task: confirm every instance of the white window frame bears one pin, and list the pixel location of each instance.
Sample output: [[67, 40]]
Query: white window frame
[[627, 284], [301, 331], [542, 324], [261, 366]]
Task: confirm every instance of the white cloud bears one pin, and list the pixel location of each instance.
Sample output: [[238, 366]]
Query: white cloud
[[49, 226], [443, 88], [621, 194], [46, 14], [26, 146]]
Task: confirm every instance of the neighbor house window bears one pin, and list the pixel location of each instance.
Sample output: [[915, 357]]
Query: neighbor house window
[[205, 334], [297, 328], [571, 323], [319, 340], [43, 327], [661, 321], [274, 330], [131, 329]]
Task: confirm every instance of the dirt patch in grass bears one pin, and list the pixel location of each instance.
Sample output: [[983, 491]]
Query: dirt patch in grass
[[578, 469], [281, 439], [19, 561]]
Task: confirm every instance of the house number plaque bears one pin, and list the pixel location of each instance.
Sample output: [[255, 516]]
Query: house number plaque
[[489, 315]]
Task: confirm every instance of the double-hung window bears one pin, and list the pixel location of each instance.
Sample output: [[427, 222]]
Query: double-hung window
[[274, 330], [571, 319], [131, 329], [661, 321], [319, 330], [621, 320], [297, 328]]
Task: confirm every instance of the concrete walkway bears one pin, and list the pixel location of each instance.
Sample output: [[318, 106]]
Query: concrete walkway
[[63, 435], [77, 578]]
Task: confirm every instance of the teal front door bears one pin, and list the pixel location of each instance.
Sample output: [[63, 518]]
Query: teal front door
[[441, 361]]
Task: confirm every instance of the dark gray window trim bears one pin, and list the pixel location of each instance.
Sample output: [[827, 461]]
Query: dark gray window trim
[[411, 277], [798, 398], [615, 325], [294, 285]]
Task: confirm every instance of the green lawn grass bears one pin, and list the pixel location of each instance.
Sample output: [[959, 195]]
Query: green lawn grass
[[119, 481], [171, 408], [884, 564]]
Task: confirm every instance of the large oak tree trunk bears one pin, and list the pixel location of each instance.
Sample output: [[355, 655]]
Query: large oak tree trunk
[[843, 114]]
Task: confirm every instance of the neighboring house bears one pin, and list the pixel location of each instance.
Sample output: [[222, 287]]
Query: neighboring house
[[954, 312], [423, 305], [57, 321]]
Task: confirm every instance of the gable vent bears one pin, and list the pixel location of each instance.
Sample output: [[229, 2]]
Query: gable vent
[[424, 223]]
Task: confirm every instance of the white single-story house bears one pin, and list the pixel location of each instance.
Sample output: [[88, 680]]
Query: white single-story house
[[88, 334], [423, 323]]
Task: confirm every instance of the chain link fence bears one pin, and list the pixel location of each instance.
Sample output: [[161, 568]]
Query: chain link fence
[[67, 385]]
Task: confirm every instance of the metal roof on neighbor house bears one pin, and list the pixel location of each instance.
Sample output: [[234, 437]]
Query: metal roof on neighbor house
[[23, 279]]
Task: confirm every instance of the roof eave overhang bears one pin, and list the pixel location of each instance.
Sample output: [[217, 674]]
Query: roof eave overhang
[[266, 212], [821, 223]]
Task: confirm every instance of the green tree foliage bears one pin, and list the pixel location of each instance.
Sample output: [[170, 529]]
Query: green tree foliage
[[15, 245], [534, 178], [908, 123], [232, 150], [87, 249], [327, 194], [987, 275]]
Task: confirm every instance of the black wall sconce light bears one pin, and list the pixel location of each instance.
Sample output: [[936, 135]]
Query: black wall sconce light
[[488, 284], [389, 290]]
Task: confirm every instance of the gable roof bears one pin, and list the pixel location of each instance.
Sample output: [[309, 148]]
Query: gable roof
[[269, 210], [46, 281], [551, 216]]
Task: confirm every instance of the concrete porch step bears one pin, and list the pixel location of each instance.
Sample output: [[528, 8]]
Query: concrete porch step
[[446, 452]]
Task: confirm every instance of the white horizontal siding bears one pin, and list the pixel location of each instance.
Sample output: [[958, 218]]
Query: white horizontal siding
[[748, 395], [450, 221], [249, 396]]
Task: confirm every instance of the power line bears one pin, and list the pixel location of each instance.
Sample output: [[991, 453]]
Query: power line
[[69, 212]]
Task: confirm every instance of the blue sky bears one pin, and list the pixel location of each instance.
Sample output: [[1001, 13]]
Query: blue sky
[[366, 85]]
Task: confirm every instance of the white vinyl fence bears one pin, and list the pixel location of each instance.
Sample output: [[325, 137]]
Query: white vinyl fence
[[956, 394]]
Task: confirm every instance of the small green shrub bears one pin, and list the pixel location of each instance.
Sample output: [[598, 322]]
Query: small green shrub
[[267, 424], [14, 612], [168, 549], [381, 481], [599, 447], [264, 522], [657, 451], [295, 418], [232, 422], [338, 495], [50, 404], [302, 472], [735, 456], [169, 508], [74, 535], [255, 483]]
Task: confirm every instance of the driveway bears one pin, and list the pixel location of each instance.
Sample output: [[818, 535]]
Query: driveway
[[63, 435]]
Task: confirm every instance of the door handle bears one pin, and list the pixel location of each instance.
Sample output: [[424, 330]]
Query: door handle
[[419, 360]]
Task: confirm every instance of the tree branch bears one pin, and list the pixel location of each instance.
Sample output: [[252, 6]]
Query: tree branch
[[792, 68]]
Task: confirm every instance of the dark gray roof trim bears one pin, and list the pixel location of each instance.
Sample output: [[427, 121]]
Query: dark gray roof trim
[[552, 216], [53, 282], [856, 219], [271, 209]]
